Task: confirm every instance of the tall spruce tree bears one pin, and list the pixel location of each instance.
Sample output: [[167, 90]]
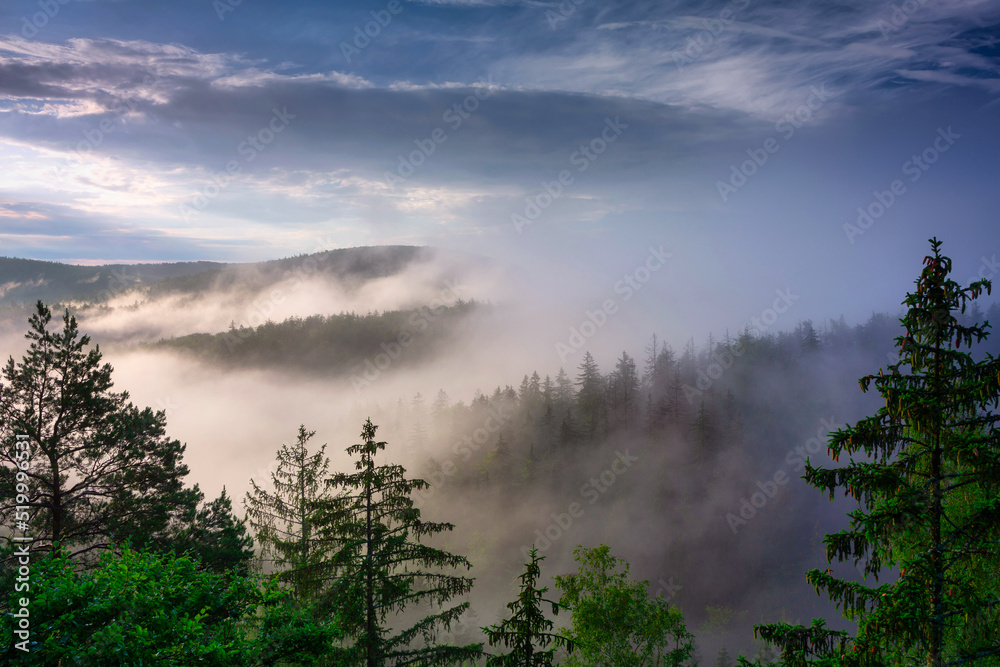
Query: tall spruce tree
[[379, 568], [590, 400], [623, 391], [928, 486], [285, 519], [98, 470], [527, 633]]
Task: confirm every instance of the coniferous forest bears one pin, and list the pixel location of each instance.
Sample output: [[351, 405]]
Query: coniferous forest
[[506, 333], [749, 473]]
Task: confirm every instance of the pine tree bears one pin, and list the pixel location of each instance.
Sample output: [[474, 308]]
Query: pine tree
[[528, 633], [547, 389], [546, 424], [285, 519], [808, 338], [623, 391], [650, 376], [535, 386], [439, 413], [99, 470], [524, 392], [215, 537], [496, 466], [705, 432], [675, 408], [927, 486], [590, 400], [378, 566], [418, 431], [568, 433], [564, 393]]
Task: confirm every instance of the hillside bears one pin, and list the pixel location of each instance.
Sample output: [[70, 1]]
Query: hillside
[[27, 280]]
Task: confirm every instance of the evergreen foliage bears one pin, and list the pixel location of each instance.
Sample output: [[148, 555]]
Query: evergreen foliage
[[379, 567], [527, 633], [100, 470], [925, 471], [284, 519]]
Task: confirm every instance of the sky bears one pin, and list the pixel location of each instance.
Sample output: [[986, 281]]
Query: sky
[[758, 149]]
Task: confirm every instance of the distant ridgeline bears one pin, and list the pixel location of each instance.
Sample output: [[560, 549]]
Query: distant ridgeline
[[332, 344], [27, 280]]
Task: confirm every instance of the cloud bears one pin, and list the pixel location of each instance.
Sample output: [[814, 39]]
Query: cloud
[[129, 131], [757, 59]]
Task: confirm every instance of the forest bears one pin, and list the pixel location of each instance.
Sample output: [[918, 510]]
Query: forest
[[110, 556]]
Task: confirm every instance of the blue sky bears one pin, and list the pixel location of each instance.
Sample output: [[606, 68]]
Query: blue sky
[[741, 136]]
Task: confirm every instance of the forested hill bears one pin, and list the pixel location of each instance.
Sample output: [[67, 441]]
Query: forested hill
[[331, 345], [708, 426], [27, 280], [344, 265]]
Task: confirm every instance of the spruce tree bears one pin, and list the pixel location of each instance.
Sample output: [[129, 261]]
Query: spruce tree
[[528, 633], [378, 567], [623, 391], [564, 393], [440, 417], [285, 519], [928, 485], [590, 399], [215, 537]]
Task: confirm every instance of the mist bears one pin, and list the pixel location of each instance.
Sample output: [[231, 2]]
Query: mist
[[264, 224], [673, 512]]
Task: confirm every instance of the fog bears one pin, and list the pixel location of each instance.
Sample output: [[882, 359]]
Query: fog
[[656, 501], [136, 315], [732, 177]]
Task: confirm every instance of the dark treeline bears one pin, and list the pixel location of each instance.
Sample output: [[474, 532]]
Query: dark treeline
[[716, 419], [728, 392], [26, 280], [333, 344]]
